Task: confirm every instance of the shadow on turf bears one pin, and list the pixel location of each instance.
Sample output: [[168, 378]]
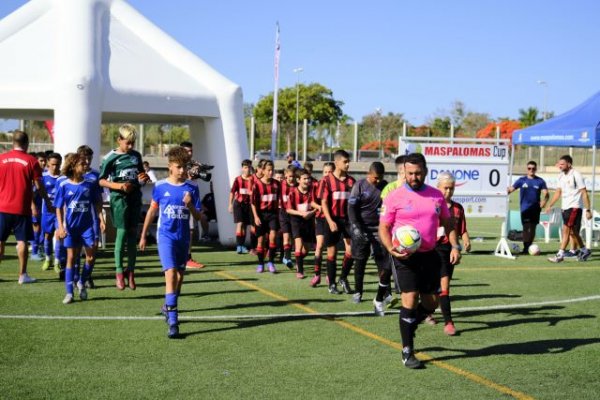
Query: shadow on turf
[[457, 297], [549, 321], [162, 296], [525, 348], [245, 324]]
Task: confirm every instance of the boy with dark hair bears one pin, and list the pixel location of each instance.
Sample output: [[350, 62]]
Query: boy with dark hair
[[176, 200], [287, 185], [320, 223], [264, 204], [239, 204], [49, 223], [364, 205], [334, 192], [302, 216], [36, 216]]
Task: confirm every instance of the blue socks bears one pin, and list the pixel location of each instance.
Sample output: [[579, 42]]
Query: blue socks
[[171, 304], [69, 280]]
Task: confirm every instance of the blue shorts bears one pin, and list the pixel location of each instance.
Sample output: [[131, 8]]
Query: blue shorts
[[172, 253], [19, 224], [75, 238], [49, 223]]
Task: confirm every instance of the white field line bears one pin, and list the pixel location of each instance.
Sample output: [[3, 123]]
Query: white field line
[[280, 316]]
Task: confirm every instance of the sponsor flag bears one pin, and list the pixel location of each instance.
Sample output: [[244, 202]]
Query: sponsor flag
[[275, 95]]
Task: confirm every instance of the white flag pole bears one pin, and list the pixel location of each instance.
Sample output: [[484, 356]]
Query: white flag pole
[[275, 96]]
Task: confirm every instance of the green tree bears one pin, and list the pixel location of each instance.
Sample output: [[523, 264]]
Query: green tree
[[316, 104], [474, 122], [529, 116], [440, 126], [391, 127]]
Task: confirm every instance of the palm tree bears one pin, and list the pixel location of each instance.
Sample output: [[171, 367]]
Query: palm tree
[[529, 116]]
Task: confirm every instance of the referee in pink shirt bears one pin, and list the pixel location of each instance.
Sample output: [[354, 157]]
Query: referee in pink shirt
[[423, 207]]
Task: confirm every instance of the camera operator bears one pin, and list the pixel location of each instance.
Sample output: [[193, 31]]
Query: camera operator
[[195, 170]]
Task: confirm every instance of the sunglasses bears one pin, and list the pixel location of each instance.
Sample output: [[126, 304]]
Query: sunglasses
[[531, 168]]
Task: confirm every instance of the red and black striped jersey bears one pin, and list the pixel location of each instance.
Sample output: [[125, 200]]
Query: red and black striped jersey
[[315, 191], [286, 189], [337, 192], [457, 213], [242, 189], [265, 196], [300, 201]]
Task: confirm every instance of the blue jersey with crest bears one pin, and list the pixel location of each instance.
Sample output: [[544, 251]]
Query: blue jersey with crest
[[173, 215], [50, 183], [79, 200]]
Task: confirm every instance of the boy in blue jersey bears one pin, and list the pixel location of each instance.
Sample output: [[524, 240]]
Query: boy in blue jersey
[[91, 175], [49, 179], [176, 200], [74, 201], [36, 215], [533, 197]]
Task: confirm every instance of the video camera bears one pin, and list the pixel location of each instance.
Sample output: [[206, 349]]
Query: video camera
[[198, 170]]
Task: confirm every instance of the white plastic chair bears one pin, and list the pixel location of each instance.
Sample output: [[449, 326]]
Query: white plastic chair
[[554, 219], [593, 223]]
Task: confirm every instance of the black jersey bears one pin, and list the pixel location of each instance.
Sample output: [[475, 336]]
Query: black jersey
[[364, 204]]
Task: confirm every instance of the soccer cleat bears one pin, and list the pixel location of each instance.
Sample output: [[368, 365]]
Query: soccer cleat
[[378, 308], [345, 286], [388, 299], [410, 361], [450, 329], [429, 320], [315, 280], [288, 263], [271, 267], [243, 250], [357, 298], [173, 332], [333, 289], [300, 275], [25, 279], [205, 239], [584, 255], [572, 254], [46, 265], [131, 280], [193, 264], [252, 252], [120, 281], [36, 257], [556, 259], [68, 299], [57, 267], [89, 284], [163, 311], [82, 291], [260, 269]]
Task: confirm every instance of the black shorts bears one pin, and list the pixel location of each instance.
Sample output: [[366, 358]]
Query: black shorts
[[303, 228], [320, 226], [362, 245], [268, 222], [343, 231], [241, 213], [284, 221], [419, 273], [531, 215], [572, 218], [446, 267], [19, 224]]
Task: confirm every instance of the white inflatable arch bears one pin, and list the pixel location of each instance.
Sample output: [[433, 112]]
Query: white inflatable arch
[[84, 62]]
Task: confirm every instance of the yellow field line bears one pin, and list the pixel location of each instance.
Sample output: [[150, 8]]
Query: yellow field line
[[395, 345]]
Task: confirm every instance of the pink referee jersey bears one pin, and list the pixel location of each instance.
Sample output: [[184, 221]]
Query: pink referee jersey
[[421, 209]]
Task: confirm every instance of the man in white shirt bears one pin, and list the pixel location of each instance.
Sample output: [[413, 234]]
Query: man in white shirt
[[571, 187]]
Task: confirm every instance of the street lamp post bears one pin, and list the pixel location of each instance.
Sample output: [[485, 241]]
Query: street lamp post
[[544, 116], [297, 71]]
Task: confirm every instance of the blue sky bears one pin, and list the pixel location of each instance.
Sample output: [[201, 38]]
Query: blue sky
[[410, 57]]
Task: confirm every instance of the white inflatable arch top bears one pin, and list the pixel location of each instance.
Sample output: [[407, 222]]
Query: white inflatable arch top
[[84, 62]]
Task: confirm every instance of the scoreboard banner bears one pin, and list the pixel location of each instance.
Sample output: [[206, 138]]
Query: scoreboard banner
[[480, 170]]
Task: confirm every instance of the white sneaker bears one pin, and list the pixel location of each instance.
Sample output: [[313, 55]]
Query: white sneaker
[[388, 299], [378, 308], [23, 279], [68, 299], [82, 291]]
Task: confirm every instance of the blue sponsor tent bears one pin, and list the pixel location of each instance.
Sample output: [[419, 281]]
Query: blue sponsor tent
[[579, 127]]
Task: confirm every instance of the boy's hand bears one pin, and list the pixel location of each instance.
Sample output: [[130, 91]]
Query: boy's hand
[[143, 177], [127, 187], [142, 244], [187, 199]]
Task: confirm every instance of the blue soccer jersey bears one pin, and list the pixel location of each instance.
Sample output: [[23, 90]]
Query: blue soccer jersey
[[79, 200], [530, 191], [173, 215], [49, 218]]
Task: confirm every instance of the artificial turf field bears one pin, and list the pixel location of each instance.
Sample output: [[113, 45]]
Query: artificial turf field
[[526, 329]]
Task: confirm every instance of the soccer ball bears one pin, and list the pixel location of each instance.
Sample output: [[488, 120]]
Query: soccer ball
[[406, 239], [534, 250]]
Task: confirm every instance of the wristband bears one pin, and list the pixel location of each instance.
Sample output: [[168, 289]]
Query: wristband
[[457, 247]]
